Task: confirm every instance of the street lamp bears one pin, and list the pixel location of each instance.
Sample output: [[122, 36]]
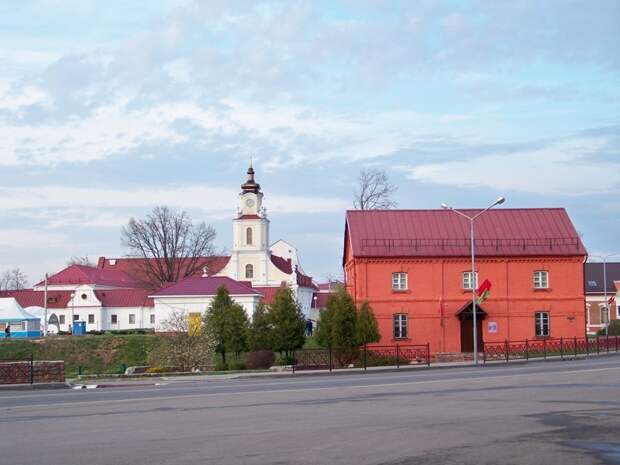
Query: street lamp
[[607, 313], [471, 219]]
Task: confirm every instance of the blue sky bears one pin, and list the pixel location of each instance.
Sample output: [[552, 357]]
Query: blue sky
[[109, 108]]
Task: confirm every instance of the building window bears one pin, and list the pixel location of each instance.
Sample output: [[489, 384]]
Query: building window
[[541, 320], [541, 280], [468, 277], [91, 319], [132, 319], [248, 236], [249, 271], [114, 319], [61, 319], [76, 317], [604, 315], [400, 326], [399, 281], [152, 319]]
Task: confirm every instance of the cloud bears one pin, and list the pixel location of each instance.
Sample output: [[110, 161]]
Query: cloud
[[573, 166], [90, 207]]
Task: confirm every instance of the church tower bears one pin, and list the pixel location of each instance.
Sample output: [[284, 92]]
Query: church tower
[[250, 251]]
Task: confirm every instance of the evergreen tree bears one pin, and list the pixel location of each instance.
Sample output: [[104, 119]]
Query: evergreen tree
[[287, 322], [236, 329], [367, 329], [344, 321], [337, 325], [260, 337], [226, 323]]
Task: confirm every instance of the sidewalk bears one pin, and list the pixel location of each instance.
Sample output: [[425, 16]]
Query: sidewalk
[[138, 380]]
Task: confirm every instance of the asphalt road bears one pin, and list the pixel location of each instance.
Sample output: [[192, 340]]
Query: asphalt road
[[542, 413]]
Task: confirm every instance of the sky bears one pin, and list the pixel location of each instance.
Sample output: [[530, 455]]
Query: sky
[[109, 108]]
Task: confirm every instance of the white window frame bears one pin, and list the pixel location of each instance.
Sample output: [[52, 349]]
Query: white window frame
[[89, 322], [541, 279], [400, 281], [400, 326], [249, 236], [61, 319], [114, 319], [466, 280], [132, 316], [539, 323], [250, 267], [152, 318]]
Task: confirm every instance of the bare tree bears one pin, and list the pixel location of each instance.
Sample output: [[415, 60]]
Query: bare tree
[[187, 346], [14, 279], [80, 260], [374, 191], [169, 245]]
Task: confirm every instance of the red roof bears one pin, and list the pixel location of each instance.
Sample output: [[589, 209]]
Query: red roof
[[285, 266], [249, 217], [125, 298], [134, 266], [443, 233], [268, 293], [60, 299], [206, 286], [80, 274], [32, 298]]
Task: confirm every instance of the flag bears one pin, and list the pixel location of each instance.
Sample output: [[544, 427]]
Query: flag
[[611, 300], [483, 291]]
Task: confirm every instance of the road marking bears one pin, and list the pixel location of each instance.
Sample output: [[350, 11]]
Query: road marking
[[366, 386]]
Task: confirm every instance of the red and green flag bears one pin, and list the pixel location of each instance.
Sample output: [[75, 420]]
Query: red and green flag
[[483, 291]]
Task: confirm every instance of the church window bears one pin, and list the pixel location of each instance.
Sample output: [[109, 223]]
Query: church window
[[248, 236], [249, 271]]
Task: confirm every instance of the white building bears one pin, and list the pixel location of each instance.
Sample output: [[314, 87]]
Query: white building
[[112, 295]]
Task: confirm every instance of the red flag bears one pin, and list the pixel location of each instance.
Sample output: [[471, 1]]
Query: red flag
[[611, 300], [485, 286]]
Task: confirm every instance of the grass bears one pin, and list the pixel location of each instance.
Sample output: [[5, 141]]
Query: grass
[[104, 354]]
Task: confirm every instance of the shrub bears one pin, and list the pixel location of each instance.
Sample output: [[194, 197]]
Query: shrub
[[155, 370], [283, 360], [221, 366], [236, 365], [612, 330], [260, 359]]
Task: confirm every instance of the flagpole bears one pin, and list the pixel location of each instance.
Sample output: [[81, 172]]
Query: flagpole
[[472, 219]]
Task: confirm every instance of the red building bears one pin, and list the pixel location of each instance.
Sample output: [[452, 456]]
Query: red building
[[414, 268]]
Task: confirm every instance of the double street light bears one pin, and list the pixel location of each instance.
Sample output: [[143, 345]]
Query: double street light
[[471, 219]]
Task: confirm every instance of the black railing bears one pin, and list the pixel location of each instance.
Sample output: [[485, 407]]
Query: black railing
[[361, 357], [549, 347]]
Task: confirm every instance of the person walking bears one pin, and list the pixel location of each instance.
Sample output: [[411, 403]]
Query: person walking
[[7, 331]]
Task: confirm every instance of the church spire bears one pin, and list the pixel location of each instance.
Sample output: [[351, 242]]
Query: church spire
[[250, 185]]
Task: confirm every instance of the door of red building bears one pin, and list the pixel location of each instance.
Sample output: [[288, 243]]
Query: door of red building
[[465, 314]]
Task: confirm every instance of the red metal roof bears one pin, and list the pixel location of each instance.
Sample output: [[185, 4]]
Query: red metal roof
[[60, 299], [285, 266], [206, 286], [249, 217], [125, 298], [268, 293], [134, 267], [80, 274], [443, 233], [32, 298]]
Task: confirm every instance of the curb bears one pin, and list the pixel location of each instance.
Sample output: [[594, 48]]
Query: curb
[[34, 387]]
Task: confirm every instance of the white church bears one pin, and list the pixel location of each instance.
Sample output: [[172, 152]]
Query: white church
[[111, 296]]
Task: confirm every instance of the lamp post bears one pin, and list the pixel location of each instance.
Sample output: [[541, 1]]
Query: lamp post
[[472, 219], [607, 313]]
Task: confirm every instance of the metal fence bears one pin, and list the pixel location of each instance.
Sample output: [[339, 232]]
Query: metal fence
[[549, 347], [361, 357]]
